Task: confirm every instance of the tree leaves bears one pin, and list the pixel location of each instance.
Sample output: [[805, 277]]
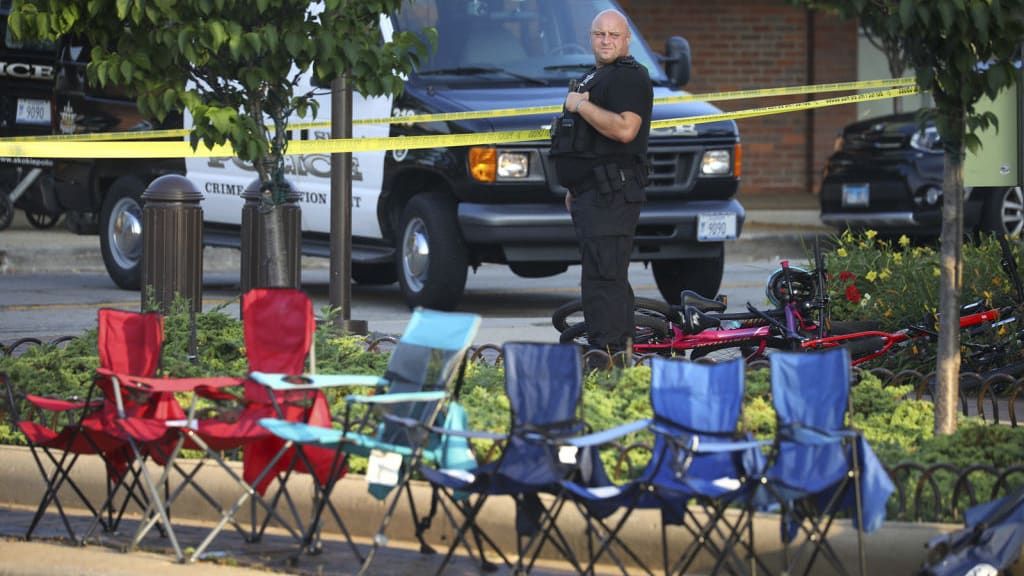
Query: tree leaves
[[232, 63]]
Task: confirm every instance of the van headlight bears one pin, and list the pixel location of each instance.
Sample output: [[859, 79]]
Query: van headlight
[[716, 163], [488, 164], [513, 165]]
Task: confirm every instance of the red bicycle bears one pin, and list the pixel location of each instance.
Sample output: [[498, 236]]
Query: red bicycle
[[699, 327], [800, 321]]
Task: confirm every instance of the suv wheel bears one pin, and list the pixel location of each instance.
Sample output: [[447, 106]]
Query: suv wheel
[[702, 275], [121, 232], [432, 259], [1004, 211]]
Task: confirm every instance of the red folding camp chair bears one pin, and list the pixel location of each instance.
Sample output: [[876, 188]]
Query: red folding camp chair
[[279, 326], [127, 342]]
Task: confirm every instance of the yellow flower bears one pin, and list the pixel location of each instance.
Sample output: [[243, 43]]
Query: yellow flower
[[936, 272], [871, 234], [841, 252], [862, 244], [904, 241], [846, 237], [888, 314], [885, 273], [871, 276], [897, 257], [987, 295]]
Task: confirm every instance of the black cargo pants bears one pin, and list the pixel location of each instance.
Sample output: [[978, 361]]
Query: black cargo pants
[[605, 222]]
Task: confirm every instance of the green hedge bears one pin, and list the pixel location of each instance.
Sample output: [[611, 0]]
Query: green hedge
[[899, 428], [896, 283]]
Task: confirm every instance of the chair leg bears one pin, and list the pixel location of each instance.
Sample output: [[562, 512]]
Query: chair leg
[[861, 555], [155, 503], [479, 536], [468, 519]]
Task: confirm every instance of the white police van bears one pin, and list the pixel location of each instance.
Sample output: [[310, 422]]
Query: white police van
[[424, 217]]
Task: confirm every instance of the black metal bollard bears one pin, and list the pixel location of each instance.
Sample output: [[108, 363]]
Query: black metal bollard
[[172, 242], [252, 233]]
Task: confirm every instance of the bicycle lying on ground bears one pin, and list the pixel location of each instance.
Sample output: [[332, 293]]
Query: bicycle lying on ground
[[701, 328]]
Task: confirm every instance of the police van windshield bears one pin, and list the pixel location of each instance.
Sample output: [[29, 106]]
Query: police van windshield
[[537, 41]]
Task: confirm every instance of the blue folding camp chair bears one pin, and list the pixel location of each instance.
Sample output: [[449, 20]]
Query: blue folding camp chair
[[425, 368], [697, 456], [819, 466], [990, 542], [544, 385]]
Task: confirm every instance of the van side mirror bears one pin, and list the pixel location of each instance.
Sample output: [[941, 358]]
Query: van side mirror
[[677, 60]]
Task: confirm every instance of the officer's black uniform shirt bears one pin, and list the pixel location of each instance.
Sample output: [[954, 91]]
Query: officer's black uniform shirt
[[623, 86]]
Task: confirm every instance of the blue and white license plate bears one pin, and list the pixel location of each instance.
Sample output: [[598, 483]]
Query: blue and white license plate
[[716, 226], [856, 194], [32, 112]]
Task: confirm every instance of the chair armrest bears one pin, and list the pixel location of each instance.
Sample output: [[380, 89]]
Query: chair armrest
[[153, 384], [707, 443], [471, 434], [60, 405], [396, 398], [289, 382], [606, 436], [302, 433]]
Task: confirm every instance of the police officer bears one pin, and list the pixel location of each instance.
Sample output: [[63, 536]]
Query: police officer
[[599, 145]]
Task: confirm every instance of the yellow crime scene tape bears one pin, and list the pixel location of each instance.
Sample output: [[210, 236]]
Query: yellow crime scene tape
[[496, 113], [43, 148]]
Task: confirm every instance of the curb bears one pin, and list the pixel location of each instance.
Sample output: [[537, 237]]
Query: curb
[[897, 548]]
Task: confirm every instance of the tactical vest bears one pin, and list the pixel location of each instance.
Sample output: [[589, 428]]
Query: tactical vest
[[575, 144]]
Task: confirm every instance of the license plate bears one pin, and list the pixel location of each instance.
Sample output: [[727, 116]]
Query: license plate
[[715, 227], [856, 194], [34, 112]]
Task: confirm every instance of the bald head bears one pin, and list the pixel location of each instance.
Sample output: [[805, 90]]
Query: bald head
[[609, 37]]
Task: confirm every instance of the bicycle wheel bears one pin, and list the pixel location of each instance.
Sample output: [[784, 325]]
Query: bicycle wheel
[[571, 313], [646, 329]]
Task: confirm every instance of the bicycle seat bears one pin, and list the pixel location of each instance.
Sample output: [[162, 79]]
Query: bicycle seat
[[695, 320], [690, 298]]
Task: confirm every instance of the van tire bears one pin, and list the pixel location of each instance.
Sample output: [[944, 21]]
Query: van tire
[[121, 232], [702, 275], [377, 274], [1004, 211], [431, 261]]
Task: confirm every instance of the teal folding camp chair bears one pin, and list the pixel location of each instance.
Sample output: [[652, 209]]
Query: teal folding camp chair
[[390, 426]]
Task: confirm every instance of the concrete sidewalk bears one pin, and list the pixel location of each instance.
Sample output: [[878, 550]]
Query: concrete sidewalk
[[779, 226]]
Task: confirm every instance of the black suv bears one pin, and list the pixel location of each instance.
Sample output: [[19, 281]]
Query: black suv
[[886, 175]]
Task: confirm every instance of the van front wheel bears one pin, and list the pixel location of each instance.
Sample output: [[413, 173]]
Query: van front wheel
[[432, 258], [121, 232]]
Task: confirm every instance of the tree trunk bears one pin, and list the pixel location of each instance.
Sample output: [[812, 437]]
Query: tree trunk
[[947, 368], [275, 256]]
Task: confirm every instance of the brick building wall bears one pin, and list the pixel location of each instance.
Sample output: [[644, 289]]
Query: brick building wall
[[746, 44]]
